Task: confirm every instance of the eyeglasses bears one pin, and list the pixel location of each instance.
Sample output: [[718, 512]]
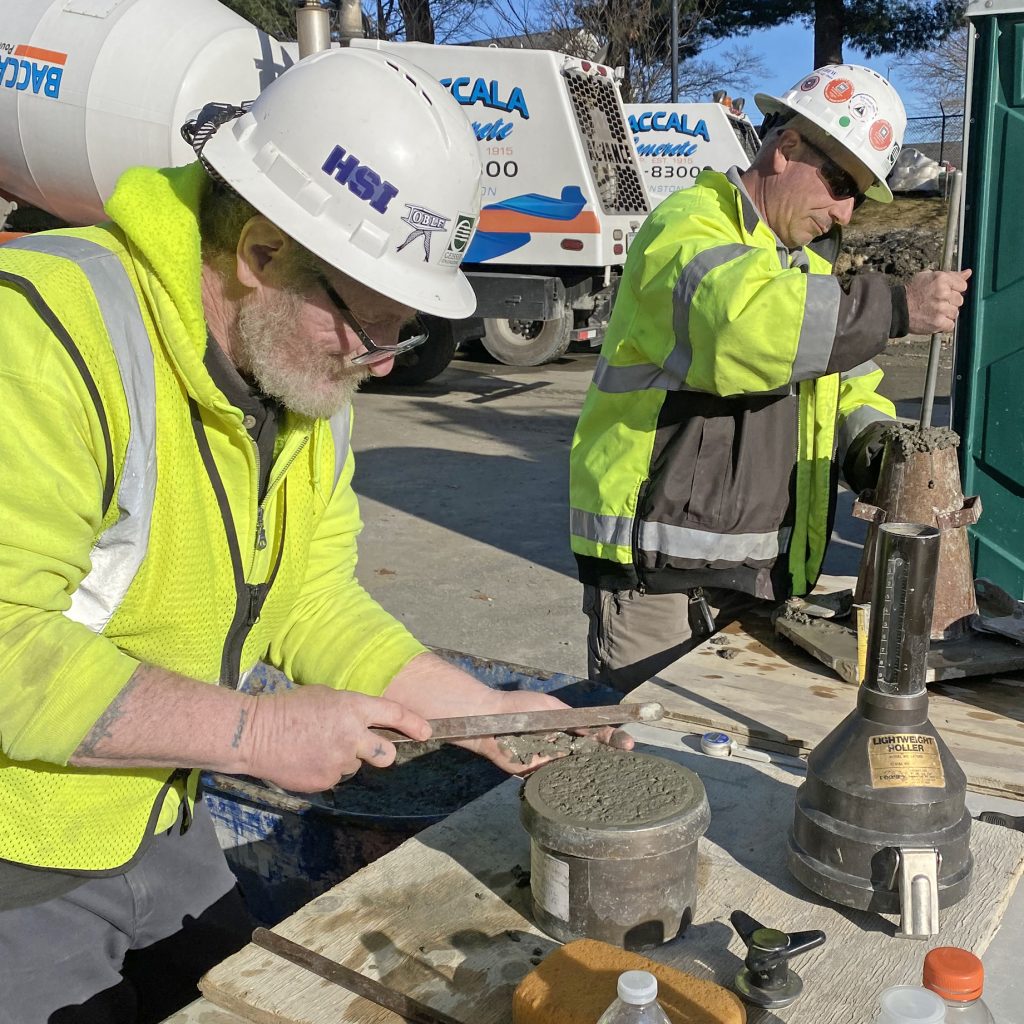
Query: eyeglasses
[[839, 182], [374, 353]]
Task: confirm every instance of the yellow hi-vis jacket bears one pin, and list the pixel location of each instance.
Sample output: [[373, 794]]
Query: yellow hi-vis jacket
[[132, 531], [733, 379]]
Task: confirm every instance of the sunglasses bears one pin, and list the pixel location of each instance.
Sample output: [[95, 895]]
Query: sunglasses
[[374, 353], [839, 182]]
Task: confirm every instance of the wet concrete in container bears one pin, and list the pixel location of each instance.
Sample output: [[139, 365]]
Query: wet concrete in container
[[613, 847]]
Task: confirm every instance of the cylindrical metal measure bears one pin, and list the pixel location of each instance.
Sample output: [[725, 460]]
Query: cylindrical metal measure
[[906, 566], [613, 847]]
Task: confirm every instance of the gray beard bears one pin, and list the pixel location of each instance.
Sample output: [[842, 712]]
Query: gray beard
[[304, 379]]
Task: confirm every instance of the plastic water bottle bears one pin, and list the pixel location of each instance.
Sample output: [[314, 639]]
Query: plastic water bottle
[[637, 1002], [910, 1004], [958, 977]]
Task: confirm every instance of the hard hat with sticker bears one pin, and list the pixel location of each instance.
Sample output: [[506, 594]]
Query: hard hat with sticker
[[392, 207], [855, 107]]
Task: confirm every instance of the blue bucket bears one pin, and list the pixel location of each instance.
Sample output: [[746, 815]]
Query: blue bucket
[[285, 848]]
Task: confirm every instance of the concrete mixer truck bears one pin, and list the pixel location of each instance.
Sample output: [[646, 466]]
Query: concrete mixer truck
[[92, 87]]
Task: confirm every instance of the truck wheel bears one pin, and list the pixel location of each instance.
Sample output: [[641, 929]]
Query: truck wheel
[[426, 361], [527, 342]]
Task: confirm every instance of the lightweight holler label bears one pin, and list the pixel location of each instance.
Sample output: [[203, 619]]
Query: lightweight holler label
[[904, 759]]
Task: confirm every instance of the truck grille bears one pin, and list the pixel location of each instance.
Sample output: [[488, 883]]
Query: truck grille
[[609, 148]]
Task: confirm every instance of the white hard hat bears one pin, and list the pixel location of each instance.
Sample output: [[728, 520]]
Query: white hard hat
[[370, 164], [854, 106]]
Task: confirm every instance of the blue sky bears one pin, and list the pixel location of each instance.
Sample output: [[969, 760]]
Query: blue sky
[[788, 53]]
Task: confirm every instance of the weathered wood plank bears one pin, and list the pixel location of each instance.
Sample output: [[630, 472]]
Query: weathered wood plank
[[835, 646], [772, 695], [444, 918]]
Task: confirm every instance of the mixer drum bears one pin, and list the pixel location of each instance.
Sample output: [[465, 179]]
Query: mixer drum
[[90, 88]]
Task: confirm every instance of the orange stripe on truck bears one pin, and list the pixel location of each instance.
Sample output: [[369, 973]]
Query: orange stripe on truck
[[585, 223], [35, 53]]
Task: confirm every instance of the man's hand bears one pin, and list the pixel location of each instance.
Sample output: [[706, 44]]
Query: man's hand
[[307, 739], [439, 690], [934, 298]]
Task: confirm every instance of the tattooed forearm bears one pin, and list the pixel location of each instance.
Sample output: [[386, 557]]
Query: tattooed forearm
[[91, 746], [243, 717]]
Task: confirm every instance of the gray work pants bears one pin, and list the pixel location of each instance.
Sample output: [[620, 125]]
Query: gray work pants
[[634, 635], [127, 949]]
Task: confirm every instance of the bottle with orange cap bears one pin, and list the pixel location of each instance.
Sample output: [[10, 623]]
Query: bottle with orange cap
[[958, 976]]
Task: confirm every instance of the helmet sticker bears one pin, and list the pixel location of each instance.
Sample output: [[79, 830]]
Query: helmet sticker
[[894, 153], [363, 181], [424, 224], [839, 91], [880, 135], [863, 107], [459, 241], [828, 71], [809, 83]]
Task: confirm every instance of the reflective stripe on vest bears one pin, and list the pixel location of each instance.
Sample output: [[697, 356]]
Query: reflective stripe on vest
[[680, 541], [118, 552], [341, 423], [861, 417]]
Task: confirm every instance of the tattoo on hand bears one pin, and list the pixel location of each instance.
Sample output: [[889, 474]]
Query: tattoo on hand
[[242, 719], [378, 751]]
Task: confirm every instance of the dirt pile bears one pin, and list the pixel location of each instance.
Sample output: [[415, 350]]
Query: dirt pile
[[898, 238], [901, 252]]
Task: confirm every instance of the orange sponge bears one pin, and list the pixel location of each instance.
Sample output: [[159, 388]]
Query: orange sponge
[[576, 984]]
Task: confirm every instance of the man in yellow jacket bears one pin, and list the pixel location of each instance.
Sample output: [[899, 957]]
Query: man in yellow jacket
[[177, 506], [736, 380]]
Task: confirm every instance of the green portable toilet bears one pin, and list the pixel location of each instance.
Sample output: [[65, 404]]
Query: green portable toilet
[[988, 386]]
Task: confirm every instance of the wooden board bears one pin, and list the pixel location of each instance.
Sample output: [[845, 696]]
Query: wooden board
[[835, 646], [445, 918], [774, 696]]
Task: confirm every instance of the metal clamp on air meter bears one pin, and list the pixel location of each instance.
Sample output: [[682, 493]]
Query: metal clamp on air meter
[[766, 979]]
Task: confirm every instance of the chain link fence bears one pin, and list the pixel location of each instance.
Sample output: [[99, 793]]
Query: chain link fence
[[940, 137]]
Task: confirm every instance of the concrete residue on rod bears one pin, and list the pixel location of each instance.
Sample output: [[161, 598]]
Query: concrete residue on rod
[[613, 788], [909, 438]]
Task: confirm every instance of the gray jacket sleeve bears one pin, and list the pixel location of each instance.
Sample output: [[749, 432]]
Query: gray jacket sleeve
[[872, 309]]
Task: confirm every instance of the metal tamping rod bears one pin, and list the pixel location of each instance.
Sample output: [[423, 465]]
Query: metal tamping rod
[[906, 565], [931, 378]]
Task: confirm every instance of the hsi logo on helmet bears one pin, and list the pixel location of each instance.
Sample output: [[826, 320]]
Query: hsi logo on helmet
[[424, 223], [363, 182], [459, 241]]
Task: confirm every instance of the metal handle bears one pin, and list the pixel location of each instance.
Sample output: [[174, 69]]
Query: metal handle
[[952, 222], [769, 948]]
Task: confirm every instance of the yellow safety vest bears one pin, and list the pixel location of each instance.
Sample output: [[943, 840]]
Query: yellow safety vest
[[132, 527]]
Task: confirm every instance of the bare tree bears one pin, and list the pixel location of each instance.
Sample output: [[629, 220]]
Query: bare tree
[[427, 21], [939, 75], [633, 35], [737, 69]]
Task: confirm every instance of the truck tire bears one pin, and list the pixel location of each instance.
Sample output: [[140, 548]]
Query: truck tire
[[527, 342], [426, 361]]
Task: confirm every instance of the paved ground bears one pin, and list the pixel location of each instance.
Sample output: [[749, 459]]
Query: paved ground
[[464, 483]]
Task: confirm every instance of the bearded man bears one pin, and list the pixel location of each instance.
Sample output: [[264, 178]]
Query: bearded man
[[178, 506]]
